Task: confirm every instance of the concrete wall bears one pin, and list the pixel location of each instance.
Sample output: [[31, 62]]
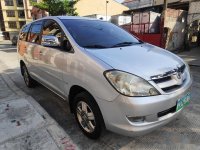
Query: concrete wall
[[91, 7], [194, 12], [175, 22], [193, 21]]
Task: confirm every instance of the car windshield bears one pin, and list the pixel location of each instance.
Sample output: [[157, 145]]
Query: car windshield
[[96, 34]]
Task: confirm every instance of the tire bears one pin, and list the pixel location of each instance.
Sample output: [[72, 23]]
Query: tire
[[30, 82], [91, 124]]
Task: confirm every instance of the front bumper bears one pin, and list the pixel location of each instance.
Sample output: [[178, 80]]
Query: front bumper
[[116, 113]]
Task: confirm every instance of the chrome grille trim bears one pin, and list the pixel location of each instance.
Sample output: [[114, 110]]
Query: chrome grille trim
[[172, 80]]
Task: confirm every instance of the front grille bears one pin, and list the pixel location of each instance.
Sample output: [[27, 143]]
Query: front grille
[[165, 112], [171, 80], [164, 79]]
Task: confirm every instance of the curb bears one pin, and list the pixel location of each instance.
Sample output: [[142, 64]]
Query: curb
[[194, 65], [60, 137]]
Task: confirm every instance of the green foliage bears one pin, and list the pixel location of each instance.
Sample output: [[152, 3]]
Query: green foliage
[[69, 7], [57, 7]]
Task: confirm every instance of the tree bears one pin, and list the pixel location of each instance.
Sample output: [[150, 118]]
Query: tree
[[69, 7], [58, 7]]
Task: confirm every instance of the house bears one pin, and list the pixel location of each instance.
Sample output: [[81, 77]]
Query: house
[[100, 7], [168, 32], [156, 4]]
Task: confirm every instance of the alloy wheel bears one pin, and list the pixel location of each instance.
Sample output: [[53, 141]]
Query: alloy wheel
[[85, 117]]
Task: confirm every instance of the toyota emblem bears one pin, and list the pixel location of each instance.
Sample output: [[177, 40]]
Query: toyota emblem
[[178, 75]]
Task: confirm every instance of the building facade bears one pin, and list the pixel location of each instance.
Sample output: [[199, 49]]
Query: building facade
[[14, 14]]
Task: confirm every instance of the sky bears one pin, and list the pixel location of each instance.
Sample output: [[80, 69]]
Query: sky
[[119, 1]]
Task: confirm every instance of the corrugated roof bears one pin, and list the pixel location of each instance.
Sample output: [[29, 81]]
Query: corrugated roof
[[127, 1]]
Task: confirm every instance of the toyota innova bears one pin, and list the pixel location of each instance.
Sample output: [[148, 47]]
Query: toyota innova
[[110, 78]]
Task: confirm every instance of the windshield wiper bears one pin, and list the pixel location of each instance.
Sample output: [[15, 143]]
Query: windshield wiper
[[95, 46], [126, 44]]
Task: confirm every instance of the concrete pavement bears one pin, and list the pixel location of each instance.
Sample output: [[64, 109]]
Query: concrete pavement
[[6, 44], [24, 124], [192, 57]]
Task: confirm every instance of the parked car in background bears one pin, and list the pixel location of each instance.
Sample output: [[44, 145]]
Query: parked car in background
[[110, 78], [14, 40]]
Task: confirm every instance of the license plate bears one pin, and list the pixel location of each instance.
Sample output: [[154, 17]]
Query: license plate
[[184, 101]]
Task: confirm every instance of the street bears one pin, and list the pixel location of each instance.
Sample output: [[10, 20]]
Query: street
[[182, 133]]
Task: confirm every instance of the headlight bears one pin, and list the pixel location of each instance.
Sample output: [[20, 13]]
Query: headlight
[[130, 85]]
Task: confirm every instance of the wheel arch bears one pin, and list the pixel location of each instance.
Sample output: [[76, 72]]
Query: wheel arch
[[74, 90]]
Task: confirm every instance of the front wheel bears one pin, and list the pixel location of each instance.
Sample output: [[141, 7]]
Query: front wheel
[[88, 115]]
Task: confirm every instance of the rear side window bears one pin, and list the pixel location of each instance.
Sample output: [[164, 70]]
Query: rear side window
[[34, 33], [24, 32]]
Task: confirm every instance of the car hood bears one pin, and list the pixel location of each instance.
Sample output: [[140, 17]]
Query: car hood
[[143, 60]]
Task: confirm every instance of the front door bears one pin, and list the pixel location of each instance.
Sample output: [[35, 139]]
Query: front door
[[51, 57]]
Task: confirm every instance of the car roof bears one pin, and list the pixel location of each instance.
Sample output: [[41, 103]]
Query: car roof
[[67, 17], [76, 17], [64, 17]]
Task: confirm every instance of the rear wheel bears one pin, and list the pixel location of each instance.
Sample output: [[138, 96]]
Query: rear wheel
[[88, 115], [27, 78]]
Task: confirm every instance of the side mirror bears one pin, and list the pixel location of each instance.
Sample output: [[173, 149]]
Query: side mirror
[[50, 41]]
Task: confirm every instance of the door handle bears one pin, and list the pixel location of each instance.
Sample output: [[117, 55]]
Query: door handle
[[41, 52]]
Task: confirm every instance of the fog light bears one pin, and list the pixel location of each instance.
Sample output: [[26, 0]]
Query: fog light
[[136, 119]]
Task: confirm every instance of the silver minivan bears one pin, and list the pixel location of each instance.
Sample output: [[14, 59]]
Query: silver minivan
[[111, 79]]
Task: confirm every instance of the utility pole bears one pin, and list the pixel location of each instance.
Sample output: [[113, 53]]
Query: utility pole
[[164, 10], [165, 5], [106, 8]]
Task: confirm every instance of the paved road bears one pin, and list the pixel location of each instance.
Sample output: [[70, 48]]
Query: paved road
[[6, 44], [182, 133], [192, 57]]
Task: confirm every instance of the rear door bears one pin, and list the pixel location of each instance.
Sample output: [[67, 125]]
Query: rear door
[[33, 47], [22, 45]]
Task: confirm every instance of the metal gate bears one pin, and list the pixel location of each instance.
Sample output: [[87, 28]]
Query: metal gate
[[152, 38]]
